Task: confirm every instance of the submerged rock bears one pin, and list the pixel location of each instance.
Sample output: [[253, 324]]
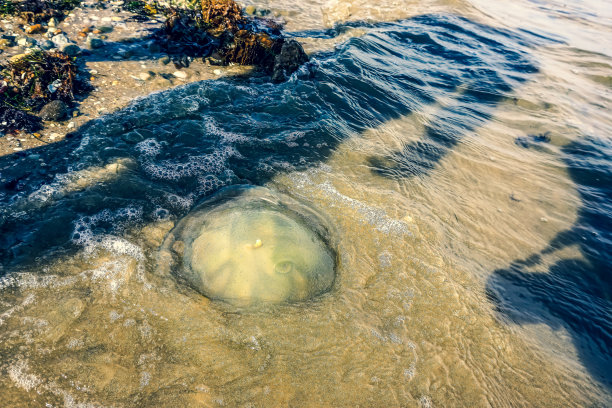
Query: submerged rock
[[251, 245], [289, 59], [94, 43]]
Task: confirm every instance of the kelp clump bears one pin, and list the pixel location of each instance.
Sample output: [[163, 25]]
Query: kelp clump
[[29, 81], [37, 11], [220, 33]]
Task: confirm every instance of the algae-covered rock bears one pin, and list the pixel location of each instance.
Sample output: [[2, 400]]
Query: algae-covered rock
[[222, 34], [288, 60]]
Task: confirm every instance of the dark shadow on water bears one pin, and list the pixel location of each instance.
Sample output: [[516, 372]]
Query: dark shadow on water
[[575, 294], [244, 130], [179, 146]]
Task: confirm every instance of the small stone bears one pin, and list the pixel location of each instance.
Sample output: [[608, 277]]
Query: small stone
[[180, 74], [154, 47], [107, 19], [60, 39], [52, 22], [94, 43], [215, 59], [71, 125], [250, 10], [10, 39], [32, 50], [71, 50], [115, 18], [105, 29], [543, 219], [123, 53], [26, 42], [16, 58], [33, 29], [132, 137], [165, 60], [54, 111], [145, 76], [47, 45]]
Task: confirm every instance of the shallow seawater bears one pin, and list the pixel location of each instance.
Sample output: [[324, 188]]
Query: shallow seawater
[[462, 158]]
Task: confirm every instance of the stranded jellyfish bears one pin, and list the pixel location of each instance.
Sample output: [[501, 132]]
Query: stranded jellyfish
[[249, 245]]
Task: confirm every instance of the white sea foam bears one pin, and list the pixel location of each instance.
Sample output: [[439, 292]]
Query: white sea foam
[[374, 216], [19, 374]]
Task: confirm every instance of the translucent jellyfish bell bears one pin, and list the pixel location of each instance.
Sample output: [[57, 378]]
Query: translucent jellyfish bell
[[251, 245]]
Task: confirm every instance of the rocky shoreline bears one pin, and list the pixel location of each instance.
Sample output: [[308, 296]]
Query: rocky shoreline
[[120, 53]]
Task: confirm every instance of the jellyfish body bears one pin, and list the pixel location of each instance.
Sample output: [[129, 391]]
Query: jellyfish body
[[252, 245]]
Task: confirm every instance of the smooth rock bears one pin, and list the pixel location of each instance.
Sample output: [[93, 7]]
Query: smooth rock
[[54, 111], [33, 29], [93, 43], [26, 42], [165, 60], [60, 40], [33, 49], [180, 74], [47, 45], [154, 47], [132, 137], [250, 10], [71, 50], [145, 76]]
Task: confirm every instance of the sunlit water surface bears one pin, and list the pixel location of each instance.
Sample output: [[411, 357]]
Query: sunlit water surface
[[461, 153]]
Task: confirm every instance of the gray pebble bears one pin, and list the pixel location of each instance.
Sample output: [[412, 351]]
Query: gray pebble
[[94, 43], [71, 50]]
